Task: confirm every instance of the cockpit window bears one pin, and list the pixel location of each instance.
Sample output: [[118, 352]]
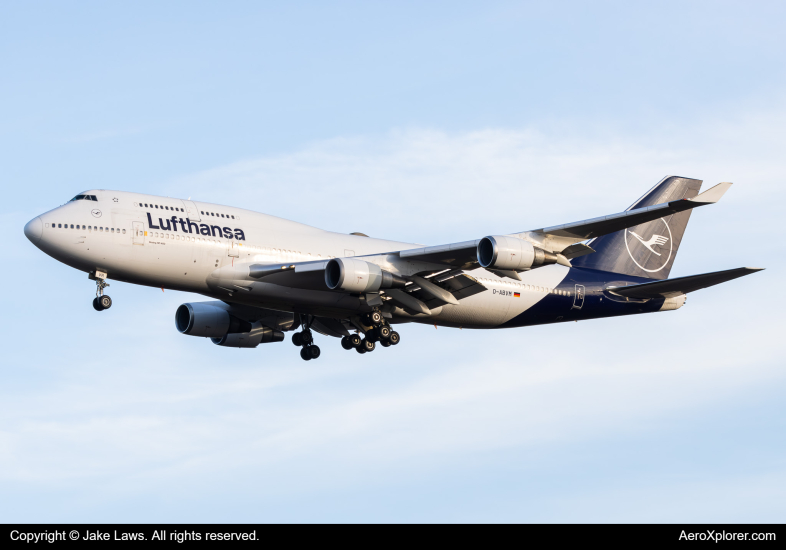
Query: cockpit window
[[84, 198]]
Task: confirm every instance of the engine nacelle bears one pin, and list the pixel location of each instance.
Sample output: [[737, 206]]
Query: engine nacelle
[[510, 253], [257, 335], [352, 275], [200, 319]]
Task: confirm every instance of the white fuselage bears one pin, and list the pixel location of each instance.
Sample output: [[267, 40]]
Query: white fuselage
[[132, 238]]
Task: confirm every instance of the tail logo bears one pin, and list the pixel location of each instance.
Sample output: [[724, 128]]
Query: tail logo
[[657, 249], [656, 240]]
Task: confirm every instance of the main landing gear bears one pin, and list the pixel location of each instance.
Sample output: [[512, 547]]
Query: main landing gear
[[101, 301], [380, 332], [305, 340]]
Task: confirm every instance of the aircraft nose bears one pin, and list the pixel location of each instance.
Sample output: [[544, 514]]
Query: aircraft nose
[[34, 229]]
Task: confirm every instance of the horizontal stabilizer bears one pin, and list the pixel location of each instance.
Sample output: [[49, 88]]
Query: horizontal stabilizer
[[681, 285], [712, 195]]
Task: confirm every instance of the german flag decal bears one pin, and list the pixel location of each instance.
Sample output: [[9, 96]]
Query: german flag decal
[[517, 295]]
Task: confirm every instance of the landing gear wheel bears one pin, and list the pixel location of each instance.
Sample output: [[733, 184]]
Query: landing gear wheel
[[385, 344], [360, 350], [394, 338], [304, 354], [367, 345], [313, 351], [375, 317], [97, 305], [346, 344], [306, 337], [105, 302], [355, 340], [383, 332], [297, 339]]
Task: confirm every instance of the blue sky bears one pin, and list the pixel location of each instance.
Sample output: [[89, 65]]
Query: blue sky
[[429, 123]]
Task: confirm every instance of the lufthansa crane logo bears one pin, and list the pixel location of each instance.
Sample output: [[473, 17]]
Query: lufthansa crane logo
[[96, 213], [652, 237], [658, 240]]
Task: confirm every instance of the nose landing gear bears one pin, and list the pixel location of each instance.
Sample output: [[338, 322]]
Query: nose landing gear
[[101, 302]]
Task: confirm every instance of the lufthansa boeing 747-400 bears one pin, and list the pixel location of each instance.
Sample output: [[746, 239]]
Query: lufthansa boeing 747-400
[[266, 275]]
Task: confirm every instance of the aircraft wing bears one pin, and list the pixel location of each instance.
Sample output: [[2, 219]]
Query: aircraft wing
[[681, 285], [305, 275], [558, 237], [462, 255], [563, 238]]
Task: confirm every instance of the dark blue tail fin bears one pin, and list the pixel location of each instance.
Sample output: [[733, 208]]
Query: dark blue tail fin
[[647, 250]]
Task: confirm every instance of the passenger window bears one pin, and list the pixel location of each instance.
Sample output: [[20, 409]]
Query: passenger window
[[124, 231], [233, 217], [202, 213], [60, 225], [222, 215], [113, 230]]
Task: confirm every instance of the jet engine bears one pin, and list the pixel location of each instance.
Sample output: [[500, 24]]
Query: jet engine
[[352, 275], [208, 320], [251, 339], [510, 253]]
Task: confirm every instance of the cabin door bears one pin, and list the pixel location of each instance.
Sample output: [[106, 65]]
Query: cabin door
[[192, 213], [578, 300], [139, 232]]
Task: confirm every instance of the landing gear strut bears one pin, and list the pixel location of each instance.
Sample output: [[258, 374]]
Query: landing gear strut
[[101, 302], [305, 339], [380, 332]]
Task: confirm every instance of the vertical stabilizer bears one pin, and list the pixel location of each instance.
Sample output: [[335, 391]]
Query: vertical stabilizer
[[647, 250]]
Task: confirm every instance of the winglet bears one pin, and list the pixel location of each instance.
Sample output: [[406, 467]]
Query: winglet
[[713, 194]]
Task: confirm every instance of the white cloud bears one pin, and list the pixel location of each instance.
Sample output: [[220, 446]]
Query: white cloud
[[427, 185]]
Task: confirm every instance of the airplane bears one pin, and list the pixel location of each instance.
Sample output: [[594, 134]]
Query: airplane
[[267, 275]]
